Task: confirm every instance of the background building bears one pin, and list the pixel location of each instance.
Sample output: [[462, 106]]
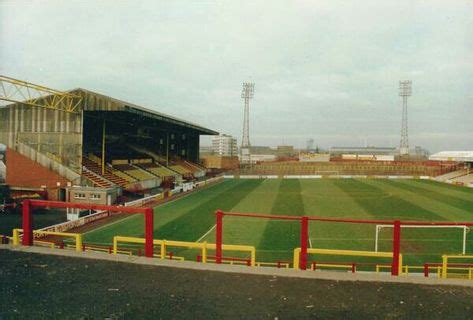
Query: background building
[[285, 151], [338, 151], [224, 145]]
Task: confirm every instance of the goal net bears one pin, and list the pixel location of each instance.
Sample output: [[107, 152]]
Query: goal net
[[427, 240]]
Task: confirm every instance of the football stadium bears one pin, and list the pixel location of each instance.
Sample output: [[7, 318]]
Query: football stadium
[[110, 209], [95, 152]]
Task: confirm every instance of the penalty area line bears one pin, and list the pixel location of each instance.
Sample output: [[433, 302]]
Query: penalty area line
[[207, 233]]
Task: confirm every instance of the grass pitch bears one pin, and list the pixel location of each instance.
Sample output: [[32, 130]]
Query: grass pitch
[[192, 218]]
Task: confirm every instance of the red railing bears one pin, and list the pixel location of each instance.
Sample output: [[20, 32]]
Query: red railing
[[29, 205], [304, 234]]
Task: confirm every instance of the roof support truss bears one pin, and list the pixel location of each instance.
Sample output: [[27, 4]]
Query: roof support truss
[[18, 91]]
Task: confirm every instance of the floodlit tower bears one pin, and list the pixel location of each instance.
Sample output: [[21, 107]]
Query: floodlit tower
[[405, 90], [247, 93]]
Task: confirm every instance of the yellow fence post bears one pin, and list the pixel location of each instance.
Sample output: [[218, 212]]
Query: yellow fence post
[[16, 237], [295, 262], [163, 249], [400, 265], [253, 257], [115, 245], [204, 252], [79, 242], [444, 266]]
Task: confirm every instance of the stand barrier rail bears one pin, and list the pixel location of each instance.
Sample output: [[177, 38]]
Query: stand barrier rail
[[29, 205], [203, 246], [301, 260], [297, 252], [76, 236], [445, 266]]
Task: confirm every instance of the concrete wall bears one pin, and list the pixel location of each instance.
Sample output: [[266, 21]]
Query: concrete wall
[[24, 172], [55, 134]]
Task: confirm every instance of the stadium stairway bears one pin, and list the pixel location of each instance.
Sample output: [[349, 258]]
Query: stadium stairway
[[96, 168], [196, 170], [96, 179]]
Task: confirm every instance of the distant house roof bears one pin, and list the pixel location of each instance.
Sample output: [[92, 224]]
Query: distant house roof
[[459, 156]]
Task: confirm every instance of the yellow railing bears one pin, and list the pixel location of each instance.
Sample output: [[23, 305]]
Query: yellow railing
[[284, 265], [76, 236], [445, 266], [335, 252], [331, 265], [203, 246]]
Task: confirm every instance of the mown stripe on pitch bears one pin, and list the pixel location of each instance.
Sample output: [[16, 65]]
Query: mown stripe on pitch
[[335, 203], [383, 205], [174, 209], [283, 234], [461, 191], [198, 220], [463, 205], [134, 226], [458, 192], [249, 231]]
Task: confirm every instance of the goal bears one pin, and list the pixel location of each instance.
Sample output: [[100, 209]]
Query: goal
[[463, 229]]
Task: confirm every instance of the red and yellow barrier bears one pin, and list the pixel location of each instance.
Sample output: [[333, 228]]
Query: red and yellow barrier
[[202, 246], [76, 236], [335, 252], [445, 266]]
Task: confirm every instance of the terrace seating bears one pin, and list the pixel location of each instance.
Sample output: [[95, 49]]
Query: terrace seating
[[134, 172], [346, 168], [466, 179], [158, 170], [92, 163], [181, 170], [452, 175]]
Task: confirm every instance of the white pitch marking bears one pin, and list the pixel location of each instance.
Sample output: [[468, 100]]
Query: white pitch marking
[[207, 233]]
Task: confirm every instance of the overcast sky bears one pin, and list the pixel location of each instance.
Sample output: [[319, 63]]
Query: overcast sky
[[326, 70]]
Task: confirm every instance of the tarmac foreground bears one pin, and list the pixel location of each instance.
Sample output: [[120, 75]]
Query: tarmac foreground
[[38, 285]]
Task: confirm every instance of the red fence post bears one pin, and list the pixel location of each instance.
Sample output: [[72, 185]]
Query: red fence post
[[396, 247], [304, 239], [27, 224], [426, 270], [149, 225], [219, 237]]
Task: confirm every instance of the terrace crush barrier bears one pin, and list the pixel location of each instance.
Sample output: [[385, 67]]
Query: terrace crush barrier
[[29, 205], [395, 266], [303, 250]]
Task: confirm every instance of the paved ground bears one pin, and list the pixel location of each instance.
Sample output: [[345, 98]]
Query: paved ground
[[36, 286]]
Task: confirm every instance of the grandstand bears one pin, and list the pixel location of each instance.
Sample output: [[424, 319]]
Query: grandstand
[[395, 168], [464, 175], [103, 142]]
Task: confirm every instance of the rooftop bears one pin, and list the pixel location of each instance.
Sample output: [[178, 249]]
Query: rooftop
[[94, 104]]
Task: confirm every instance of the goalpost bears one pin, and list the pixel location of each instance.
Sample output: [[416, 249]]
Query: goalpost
[[465, 229]]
